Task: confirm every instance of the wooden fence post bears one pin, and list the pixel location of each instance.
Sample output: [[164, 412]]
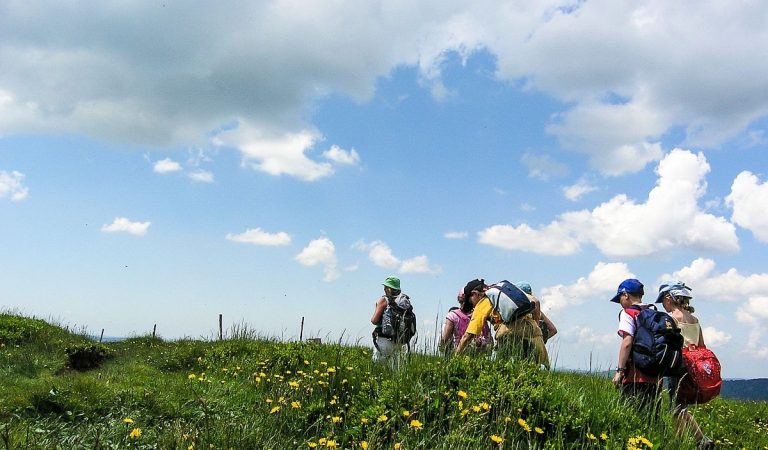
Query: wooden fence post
[[102, 335], [221, 330], [301, 333], [154, 330]]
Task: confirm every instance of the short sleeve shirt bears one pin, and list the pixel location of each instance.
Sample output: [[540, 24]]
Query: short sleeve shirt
[[483, 312], [627, 327]]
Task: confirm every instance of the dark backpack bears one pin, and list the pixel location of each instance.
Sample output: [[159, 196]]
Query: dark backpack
[[657, 347], [398, 321]]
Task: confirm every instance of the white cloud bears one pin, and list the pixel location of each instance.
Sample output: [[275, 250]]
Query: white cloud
[[600, 284], [586, 335], [166, 165], [11, 185], [381, 255], [123, 225], [670, 218], [714, 338], [748, 199], [575, 191], [456, 235], [543, 166], [341, 156], [257, 236], [754, 312], [201, 176], [276, 154], [628, 72], [728, 286], [321, 252]]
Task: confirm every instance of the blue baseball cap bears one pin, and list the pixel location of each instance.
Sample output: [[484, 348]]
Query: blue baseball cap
[[676, 288], [630, 286]]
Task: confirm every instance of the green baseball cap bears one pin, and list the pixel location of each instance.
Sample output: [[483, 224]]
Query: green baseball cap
[[392, 282]]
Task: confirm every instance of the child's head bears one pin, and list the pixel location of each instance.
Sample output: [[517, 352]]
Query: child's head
[[630, 292]]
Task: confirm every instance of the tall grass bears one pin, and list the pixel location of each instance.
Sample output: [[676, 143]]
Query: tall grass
[[251, 392]]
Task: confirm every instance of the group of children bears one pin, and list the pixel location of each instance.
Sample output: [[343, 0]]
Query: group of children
[[467, 328]]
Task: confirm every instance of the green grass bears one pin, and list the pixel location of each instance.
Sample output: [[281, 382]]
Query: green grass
[[250, 393]]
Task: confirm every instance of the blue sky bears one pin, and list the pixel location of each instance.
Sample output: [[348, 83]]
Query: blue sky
[[268, 161]]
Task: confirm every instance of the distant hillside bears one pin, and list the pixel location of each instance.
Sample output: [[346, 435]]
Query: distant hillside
[[756, 389]]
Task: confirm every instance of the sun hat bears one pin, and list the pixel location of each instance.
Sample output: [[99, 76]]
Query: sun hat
[[392, 282], [630, 286], [676, 288], [471, 286], [525, 287]]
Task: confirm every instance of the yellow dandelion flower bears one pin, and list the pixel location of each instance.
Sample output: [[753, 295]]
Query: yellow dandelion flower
[[331, 444], [269, 400], [293, 384], [333, 401], [336, 419], [128, 420], [507, 419], [295, 405], [274, 410], [485, 406], [591, 437], [464, 412], [497, 439], [364, 445], [476, 408], [364, 421], [524, 425], [646, 442], [398, 446], [604, 436], [331, 370], [135, 433], [538, 430], [416, 425], [382, 418], [306, 363], [406, 413], [461, 404], [262, 374], [191, 376], [322, 441], [311, 444], [462, 394]]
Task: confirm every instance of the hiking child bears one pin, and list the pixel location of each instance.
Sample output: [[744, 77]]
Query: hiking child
[[548, 329], [633, 383], [394, 321], [518, 336], [675, 296], [456, 322]]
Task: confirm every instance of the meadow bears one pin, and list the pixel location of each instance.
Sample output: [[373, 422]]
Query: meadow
[[252, 392]]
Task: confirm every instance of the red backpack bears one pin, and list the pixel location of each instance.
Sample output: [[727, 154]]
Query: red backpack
[[702, 381]]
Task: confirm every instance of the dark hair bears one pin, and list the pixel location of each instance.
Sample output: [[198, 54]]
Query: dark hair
[[467, 306], [683, 302]]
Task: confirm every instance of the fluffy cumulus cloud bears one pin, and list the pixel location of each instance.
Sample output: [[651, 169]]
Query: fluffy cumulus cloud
[[381, 255], [715, 338], [277, 154], [748, 199], [627, 71], [600, 284], [11, 185], [124, 225], [341, 156], [751, 291], [669, 218], [166, 165], [321, 252], [257, 236]]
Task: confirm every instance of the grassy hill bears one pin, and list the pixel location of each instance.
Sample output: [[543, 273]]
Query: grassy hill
[[261, 394]]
